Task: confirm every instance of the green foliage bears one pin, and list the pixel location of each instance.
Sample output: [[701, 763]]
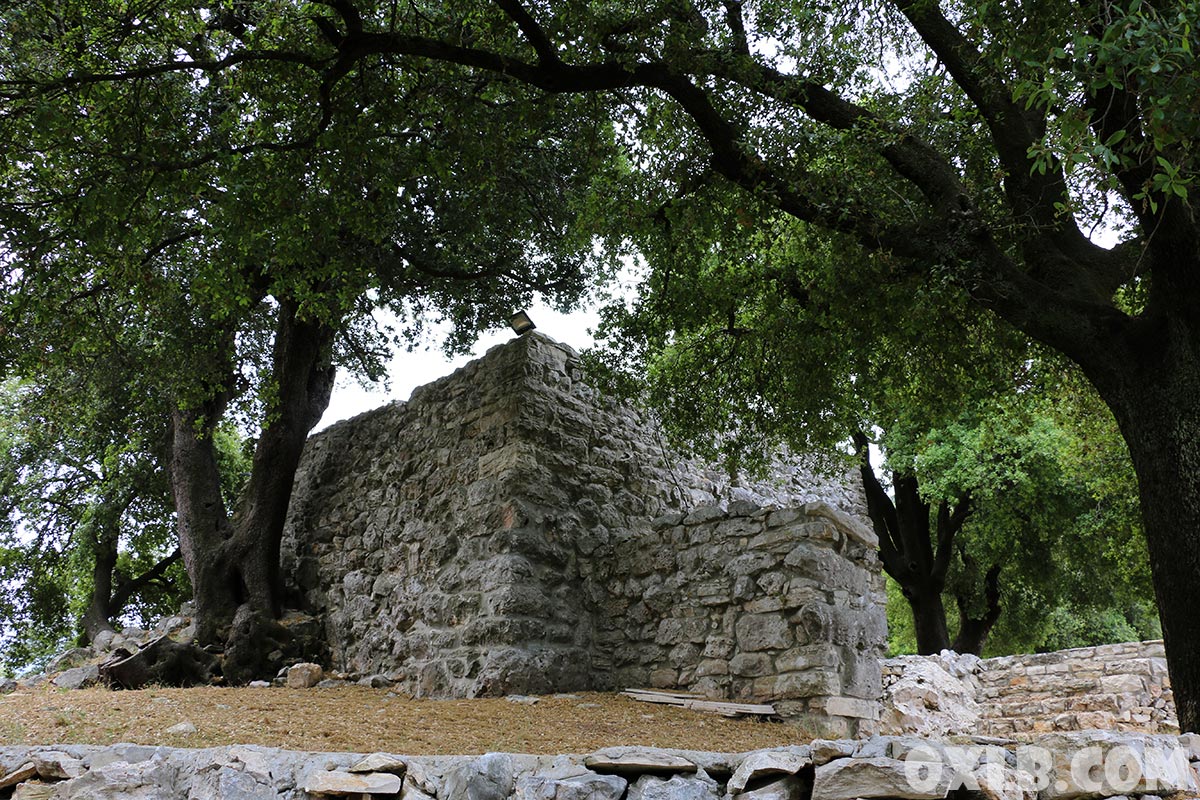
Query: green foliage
[[186, 184], [752, 330], [74, 475], [201, 202], [1055, 504]]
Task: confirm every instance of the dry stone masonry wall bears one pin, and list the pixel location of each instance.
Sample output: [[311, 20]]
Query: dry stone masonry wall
[[1122, 687], [751, 604], [1111, 687], [1079, 766], [509, 530]]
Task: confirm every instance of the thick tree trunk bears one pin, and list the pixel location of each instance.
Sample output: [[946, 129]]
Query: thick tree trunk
[[234, 563], [304, 378], [1155, 395], [929, 620], [99, 613], [914, 546], [203, 523], [105, 538]]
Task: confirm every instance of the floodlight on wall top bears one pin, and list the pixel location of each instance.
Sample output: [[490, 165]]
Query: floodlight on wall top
[[521, 323]]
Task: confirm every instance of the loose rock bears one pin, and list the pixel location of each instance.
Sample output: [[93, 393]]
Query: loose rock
[[342, 783], [304, 676]]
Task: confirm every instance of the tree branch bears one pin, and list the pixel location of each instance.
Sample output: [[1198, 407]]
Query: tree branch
[[127, 588], [533, 32], [737, 26]]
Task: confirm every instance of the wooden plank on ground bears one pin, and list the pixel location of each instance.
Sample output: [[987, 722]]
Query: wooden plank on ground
[[697, 702], [731, 708], [661, 694]]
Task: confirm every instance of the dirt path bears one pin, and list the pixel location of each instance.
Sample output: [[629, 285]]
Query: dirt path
[[365, 720]]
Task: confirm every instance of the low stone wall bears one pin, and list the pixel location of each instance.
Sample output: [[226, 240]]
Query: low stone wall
[[1110, 687], [1123, 687], [509, 530], [1062, 767]]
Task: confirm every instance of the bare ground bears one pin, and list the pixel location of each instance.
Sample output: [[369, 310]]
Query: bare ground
[[358, 719]]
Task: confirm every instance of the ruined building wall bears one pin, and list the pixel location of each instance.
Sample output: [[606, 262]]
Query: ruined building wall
[[494, 534]]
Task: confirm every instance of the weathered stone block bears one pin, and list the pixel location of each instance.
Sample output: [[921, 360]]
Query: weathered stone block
[[807, 657], [677, 631], [811, 683], [712, 666], [763, 632], [302, 676], [346, 783], [750, 665], [768, 763]]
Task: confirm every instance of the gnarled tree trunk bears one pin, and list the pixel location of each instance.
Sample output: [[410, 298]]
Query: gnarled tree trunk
[[233, 562], [914, 552]]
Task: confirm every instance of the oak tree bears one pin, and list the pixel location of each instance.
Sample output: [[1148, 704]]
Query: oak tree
[[247, 215]]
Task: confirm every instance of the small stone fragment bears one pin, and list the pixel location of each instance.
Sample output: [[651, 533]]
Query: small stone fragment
[[78, 677], [336, 782], [791, 787], [521, 699], [182, 729], [54, 765], [21, 773], [259, 684], [375, 681], [381, 762], [304, 676], [34, 790], [826, 750], [412, 790]]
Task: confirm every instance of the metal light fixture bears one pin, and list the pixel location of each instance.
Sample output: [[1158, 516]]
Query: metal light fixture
[[521, 323]]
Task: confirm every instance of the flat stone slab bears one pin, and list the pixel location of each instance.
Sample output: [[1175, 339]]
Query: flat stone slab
[[638, 761], [766, 763], [341, 783], [850, 778]]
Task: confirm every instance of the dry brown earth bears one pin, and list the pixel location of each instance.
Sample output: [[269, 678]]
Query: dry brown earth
[[358, 719]]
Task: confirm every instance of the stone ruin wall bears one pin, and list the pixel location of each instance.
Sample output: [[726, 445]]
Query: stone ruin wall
[[509, 530], [1115, 687], [1110, 687]]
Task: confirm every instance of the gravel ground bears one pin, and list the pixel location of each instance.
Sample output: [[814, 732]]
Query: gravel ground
[[358, 719]]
